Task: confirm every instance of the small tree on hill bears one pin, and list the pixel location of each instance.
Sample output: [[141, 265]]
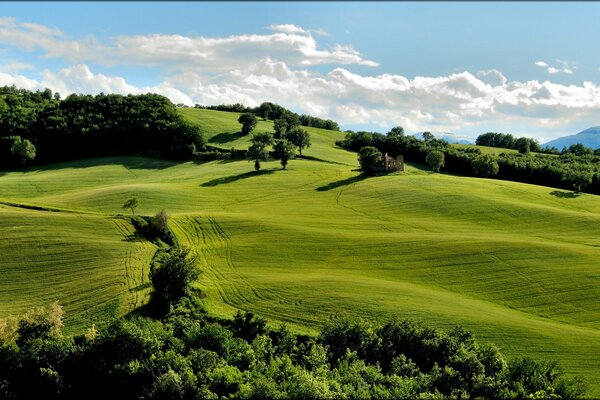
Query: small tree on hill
[[23, 150], [258, 149], [131, 204], [428, 136], [284, 151], [485, 165], [435, 160], [370, 159], [523, 145], [396, 131], [579, 179], [248, 121], [299, 137]]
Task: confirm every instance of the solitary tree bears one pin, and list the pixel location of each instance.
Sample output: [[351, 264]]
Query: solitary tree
[[131, 204], [172, 274], [284, 151], [435, 160], [369, 158], [23, 150], [258, 149], [248, 121], [299, 137], [485, 165]]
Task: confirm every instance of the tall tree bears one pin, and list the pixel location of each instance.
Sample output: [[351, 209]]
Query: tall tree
[[23, 150], [131, 204], [299, 137], [369, 159], [258, 149], [172, 274]]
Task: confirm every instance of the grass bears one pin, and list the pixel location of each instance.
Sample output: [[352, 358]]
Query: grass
[[514, 263]]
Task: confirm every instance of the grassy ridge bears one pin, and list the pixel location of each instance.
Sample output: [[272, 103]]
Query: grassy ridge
[[515, 263]]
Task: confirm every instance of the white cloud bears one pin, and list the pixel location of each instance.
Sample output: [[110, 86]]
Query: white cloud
[[289, 43], [286, 28], [564, 67]]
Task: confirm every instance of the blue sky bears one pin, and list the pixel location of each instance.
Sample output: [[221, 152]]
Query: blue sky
[[530, 69]]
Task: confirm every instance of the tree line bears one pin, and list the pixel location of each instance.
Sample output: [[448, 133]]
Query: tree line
[[40, 127], [278, 114], [571, 170]]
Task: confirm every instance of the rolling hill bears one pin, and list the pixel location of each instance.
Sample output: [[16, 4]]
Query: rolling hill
[[514, 263], [589, 138]]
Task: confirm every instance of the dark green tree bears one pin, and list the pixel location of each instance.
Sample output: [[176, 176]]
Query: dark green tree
[[485, 165], [172, 274], [396, 131], [284, 151], [248, 121], [428, 136], [435, 159], [280, 126], [23, 150], [258, 149], [299, 137], [523, 144], [370, 159]]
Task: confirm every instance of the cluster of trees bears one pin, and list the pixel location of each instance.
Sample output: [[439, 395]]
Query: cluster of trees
[[284, 147], [279, 114], [507, 141], [40, 127], [187, 355], [566, 171]]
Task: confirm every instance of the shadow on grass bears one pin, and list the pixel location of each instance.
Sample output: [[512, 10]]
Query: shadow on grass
[[129, 162], [311, 158], [343, 182], [225, 137], [234, 178], [565, 195]]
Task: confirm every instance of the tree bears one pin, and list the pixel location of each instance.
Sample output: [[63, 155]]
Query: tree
[[248, 121], [435, 160], [485, 165], [299, 137], [258, 149], [580, 179], [265, 110], [396, 131], [41, 322], [428, 136], [370, 159], [280, 125], [172, 274], [23, 150], [284, 151], [131, 204], [523, 144]]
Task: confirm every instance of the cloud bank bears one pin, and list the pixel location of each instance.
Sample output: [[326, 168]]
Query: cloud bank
[[278, 67]]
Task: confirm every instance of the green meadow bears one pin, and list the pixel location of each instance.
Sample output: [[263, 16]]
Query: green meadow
[[516, 264]]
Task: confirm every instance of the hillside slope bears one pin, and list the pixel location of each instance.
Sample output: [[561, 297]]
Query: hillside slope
[[514, 263]]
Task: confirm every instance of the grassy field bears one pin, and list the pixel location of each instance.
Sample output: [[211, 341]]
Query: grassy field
[[517, 264]]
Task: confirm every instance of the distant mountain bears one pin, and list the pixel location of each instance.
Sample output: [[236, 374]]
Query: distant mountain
[[589, 138], [449, 137]]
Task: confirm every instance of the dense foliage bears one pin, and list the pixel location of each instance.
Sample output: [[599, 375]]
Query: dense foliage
[[40, 125], [187, 355], [567, 171], [272, 111]]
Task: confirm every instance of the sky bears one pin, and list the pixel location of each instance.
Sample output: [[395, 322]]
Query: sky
[[525, 68]]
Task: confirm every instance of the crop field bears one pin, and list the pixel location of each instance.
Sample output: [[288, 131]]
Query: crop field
[[516, 264]]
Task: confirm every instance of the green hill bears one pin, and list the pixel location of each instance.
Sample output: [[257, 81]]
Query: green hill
[[514, 263]]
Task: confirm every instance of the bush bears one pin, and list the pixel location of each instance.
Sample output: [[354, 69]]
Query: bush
[[370, 160]]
